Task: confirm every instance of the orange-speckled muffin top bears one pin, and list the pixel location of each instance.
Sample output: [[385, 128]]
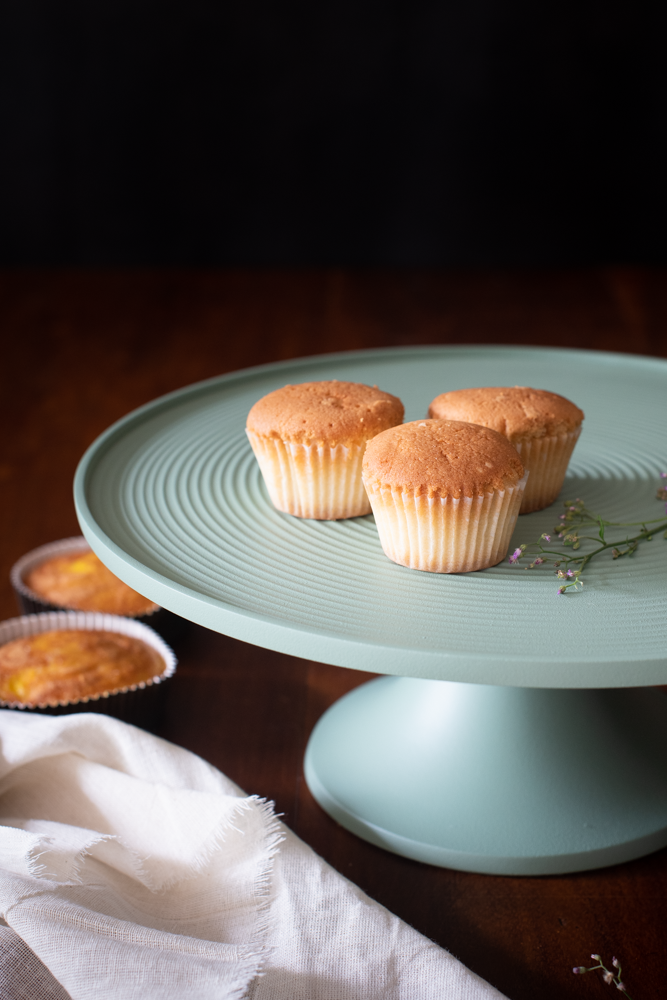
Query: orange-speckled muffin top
[[325, 412], [516, 412], [68, 665], [446, 458], [81, 582]]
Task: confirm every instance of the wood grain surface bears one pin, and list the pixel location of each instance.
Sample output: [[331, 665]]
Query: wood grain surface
[[81, 349]]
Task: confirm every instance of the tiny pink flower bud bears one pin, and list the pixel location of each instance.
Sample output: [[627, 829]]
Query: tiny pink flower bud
[[620, 986], [579, 970], [615, 962], [596, 958], [561, 590], [608, 978]]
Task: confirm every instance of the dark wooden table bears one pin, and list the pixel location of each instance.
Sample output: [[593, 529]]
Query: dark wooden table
[[81, 349]]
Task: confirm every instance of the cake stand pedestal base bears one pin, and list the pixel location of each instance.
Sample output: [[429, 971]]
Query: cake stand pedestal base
[[507, 781]]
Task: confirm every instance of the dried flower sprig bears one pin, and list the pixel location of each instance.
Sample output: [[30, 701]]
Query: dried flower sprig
[[611, 978], [577, 519]]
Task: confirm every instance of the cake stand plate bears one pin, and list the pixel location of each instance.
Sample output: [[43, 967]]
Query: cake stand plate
[[172, 500]]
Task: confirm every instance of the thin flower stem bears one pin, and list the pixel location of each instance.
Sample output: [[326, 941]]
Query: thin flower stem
[[585, 559], [577, 518], [614, 524], [610, 977]]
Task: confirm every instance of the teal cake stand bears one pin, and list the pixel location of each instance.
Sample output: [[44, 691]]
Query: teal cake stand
[[514, 732]]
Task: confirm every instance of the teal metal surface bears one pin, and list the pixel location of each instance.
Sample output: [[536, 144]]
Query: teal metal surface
[[172, 500], [500, 780]]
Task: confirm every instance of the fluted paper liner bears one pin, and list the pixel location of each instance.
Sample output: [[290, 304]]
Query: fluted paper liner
[[312, 480], [443, 534], [546, 459], [93, 621]]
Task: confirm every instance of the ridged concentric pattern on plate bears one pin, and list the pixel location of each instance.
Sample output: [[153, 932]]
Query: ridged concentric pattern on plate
[[172, 499]]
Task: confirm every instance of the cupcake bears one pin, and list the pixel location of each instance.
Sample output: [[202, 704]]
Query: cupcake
[[542, 426], [67, 661], [67, 575], [309, 440], [445, 494]]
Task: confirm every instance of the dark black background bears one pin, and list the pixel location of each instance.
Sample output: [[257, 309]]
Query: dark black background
[[156, 132]]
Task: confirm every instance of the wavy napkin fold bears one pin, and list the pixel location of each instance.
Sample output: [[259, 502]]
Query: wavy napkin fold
[[133, 869]]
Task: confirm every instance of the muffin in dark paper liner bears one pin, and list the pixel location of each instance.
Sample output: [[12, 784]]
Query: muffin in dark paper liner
[[167, 624], [138, 703]]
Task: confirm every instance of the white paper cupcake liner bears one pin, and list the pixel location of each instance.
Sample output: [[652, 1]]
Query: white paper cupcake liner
[[442, 534], [115, 699], [546, 459], [312, 480]]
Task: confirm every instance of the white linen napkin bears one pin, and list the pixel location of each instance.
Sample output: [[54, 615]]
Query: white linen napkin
[[133, 869]]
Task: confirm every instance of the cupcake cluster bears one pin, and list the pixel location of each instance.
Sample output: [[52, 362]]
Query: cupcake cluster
[[445, 492], [84, 642]]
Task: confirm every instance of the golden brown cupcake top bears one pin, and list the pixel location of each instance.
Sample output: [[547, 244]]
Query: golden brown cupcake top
[[80, 581], [516, 412], [67, 665], [445, 458], [325, 412]]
